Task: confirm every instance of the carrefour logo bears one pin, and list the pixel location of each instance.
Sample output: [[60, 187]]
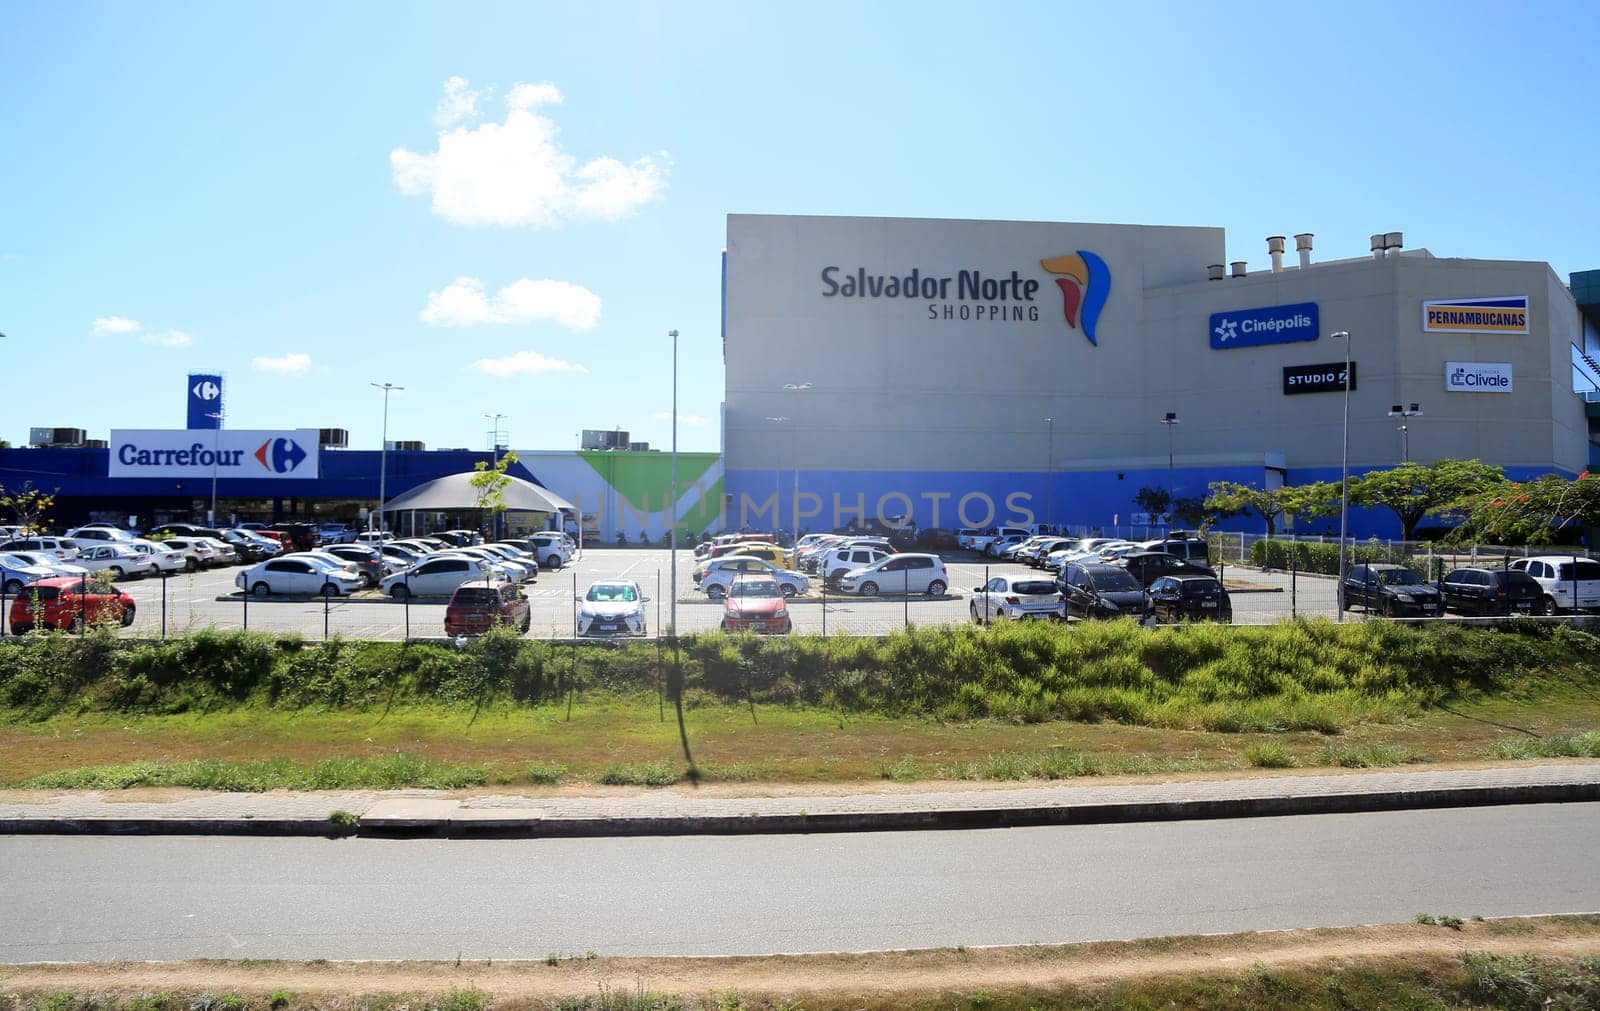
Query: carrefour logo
[[1273, 324], [974, 295], [205, 389], [280, 455]]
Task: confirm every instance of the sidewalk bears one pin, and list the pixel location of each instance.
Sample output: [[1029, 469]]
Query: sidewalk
[[681, 811]]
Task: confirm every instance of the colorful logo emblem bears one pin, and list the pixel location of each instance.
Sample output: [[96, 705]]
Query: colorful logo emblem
[[1085, 283], [280, 455]]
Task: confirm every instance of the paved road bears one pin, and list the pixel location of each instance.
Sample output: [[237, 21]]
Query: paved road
[[190, 602], [104, 898]]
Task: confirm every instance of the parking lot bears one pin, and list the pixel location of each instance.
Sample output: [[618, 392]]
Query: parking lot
[[186, 603]]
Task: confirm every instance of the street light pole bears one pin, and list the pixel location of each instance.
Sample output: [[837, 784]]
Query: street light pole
[[494, 460], [1171, 421], [216, 445], [1050, 473], [1402, 411], [1344, 471], [672, 507], [383, 456]]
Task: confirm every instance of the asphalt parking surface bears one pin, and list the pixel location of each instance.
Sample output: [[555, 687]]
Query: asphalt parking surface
[[187, 603]]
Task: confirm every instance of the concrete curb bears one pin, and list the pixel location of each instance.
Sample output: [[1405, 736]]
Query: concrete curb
[[434, 820]]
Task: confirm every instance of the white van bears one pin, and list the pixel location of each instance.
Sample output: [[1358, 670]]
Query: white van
[[905, 573], [1555, 575]]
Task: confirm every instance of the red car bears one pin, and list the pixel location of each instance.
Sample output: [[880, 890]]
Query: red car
[[481, 604], [65, 602], [755, 603]]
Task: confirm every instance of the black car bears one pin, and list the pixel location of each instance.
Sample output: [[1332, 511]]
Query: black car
[[1394, 590], [1492, 591], [248, 548], [1101, 591], [367, 560], [298, 536], [1149, 566], [1190, 598]]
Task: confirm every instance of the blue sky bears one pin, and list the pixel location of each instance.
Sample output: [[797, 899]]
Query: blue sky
[[505, 207]]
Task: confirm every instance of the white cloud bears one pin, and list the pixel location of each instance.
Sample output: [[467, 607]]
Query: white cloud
[[514, 173], [525, 363], [683, 419], [105, 326], [459, 104], [466, 301], [293, 364], [170, 339]]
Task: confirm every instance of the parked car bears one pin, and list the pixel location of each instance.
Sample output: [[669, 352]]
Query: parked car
[[223, 553], [297, 536], [1101, 591], [1189, 547], [371, 538], [119, 559], [64, 603], [1486, 591], [367, 560], [1393, 590], [478, 605], [1568, 584], [552, 548], [1016, 598], [62, 548], [771, 552], [335, 533], [1190, 597], [980, 542], [723, 571], [18, 572], [251, 546], [435, 576], [756, 603], [197, 552], [612, 607], [1149, 566], [505, 567], [935, 539], [514, 557], [405, 554], [832, 565], [905, 573], [457, 538], [298, 573], [164, 559], [99, 532]]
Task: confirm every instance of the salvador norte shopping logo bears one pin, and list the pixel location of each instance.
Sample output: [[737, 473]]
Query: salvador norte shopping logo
[[1085, 283]]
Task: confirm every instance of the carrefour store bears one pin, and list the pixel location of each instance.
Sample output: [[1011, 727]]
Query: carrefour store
[[974, 372]]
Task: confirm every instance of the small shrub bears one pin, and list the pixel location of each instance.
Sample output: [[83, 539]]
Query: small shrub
[[544, 773], [1453, 922], [645, 774], [467, 999], [1426, 919], [342, 818], [1268, 755], [279, 999]]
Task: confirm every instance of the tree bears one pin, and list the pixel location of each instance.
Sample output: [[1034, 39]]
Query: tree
[[28, 504], [1316, 499], [1511, 511], [1413, 490], [1190, 511], [490, 484], [1153, 501]]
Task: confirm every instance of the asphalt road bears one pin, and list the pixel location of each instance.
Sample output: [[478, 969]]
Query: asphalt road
[[107, 898]]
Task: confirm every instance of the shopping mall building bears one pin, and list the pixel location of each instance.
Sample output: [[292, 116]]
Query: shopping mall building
[[972, 372]]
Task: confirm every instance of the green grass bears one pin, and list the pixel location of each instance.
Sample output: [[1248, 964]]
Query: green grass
[[1268, 755], [1370, 756], [1585, 745], [384, 773], [643, 774]]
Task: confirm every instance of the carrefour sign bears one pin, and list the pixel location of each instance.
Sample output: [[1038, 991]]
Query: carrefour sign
[[229, 453], [1273, 324]]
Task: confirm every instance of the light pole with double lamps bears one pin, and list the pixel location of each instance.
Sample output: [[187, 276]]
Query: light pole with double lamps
[[1344, 471], [794, 447], [1172, 422], [1404, 413], [376, 522]]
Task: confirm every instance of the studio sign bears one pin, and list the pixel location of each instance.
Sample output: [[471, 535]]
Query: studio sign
[[1326, 378]]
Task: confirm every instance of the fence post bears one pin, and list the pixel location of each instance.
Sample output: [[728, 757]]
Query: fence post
[[165, 575], [1294, 585], [824, 602], [906, 593], [245, 597], [1575, 600], [1505, 577], [661, 698], [324, 617], [3, 609], [83, 603]]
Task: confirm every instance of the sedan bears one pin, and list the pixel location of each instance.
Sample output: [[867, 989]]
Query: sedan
[[723, 571], [436, 576], [16, 573], [1016, 598], [297, 573], [368, 563], [1190, 598], [1393, 590], [49, 562], [1492, 591], [612, 607], [118, 559]]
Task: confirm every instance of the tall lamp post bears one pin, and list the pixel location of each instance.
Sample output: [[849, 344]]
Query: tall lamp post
[[494, 461], [1050, 473], [1344, 470], [376, 523], [794, 454], [672, 507], [1172, 422], [1403, 412], [777, 496], [216, 445]]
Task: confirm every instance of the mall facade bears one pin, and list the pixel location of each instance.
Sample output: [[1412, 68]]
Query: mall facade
[[963, 373]]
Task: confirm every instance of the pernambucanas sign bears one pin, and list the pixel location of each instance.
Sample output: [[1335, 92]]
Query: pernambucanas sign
[[229, 453], [1325, 378], [1499, 314]]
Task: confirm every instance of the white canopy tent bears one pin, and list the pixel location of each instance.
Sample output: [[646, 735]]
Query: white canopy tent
[[455, 492]]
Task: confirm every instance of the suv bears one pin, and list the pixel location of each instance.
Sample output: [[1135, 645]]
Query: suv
[[1392, 589], [1190, 597], [905, 573], [68, 603], [1492, 591], [831, 565], [552, 548], [63, 548], [481, 604], [1149, 566], [1189, 547], [1564, 578]]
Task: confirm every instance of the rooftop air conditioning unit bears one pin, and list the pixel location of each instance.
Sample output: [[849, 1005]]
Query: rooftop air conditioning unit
[[44, 438], [333, 438], [406, 446]]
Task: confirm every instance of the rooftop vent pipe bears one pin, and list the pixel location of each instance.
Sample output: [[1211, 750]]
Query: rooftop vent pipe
[[1302, 245], [1394, 241], [1238, 268], [1214, 271], [1275, 250], [1377, 245]]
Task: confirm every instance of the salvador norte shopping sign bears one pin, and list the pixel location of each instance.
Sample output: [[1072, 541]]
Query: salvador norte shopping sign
[[230, 453]]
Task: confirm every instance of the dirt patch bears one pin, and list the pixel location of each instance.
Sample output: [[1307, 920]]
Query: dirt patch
[[903, 974]]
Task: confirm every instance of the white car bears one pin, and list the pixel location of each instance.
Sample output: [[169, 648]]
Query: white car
[[223, 551], [1017, 598], [300, 572], [17, 574], [405, 553], [612, 607], [1568, 583], [197, 552], [515, 557], [436, 576], [164, 559], [120, 560], [833, 564], [904, 573], [723, 571], [504, 568], [553, 549], [44, 561], [99, 534], [372, 538], [63, 549], [981, 542]]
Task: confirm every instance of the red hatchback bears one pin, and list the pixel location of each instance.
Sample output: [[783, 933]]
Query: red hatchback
[[755, 603], [481, 604], [66, 602]]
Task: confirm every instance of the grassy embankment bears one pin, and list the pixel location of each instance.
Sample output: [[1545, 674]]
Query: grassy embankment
[[242, 711]]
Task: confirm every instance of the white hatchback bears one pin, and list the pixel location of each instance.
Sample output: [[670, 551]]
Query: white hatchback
[[1016, 598], [1567, 582], [904, 573]]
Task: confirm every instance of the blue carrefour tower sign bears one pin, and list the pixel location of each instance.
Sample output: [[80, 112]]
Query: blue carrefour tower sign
[[1273, 324], [205, 401]]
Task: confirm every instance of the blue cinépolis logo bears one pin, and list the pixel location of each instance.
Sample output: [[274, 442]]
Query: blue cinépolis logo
[[1273, 324], [280, 455]]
